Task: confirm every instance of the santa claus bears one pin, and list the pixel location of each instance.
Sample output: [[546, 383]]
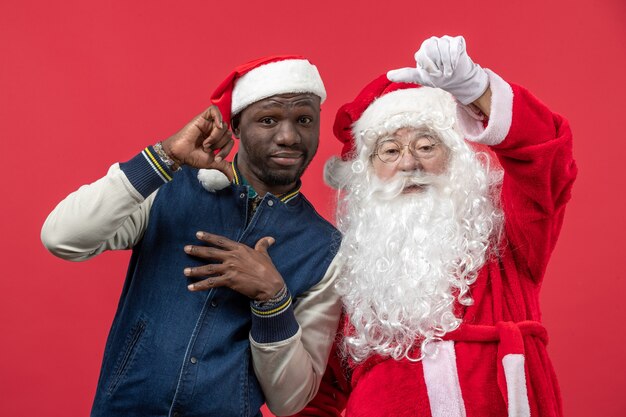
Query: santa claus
[[445, 247]]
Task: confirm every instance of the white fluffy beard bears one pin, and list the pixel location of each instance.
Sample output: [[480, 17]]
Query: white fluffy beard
[[407, 258]]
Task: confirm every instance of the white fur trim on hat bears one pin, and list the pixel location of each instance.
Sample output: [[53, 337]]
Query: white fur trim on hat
[[280, 77], [213, 180], [425, 103]]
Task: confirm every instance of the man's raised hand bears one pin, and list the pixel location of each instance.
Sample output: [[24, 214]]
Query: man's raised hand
[[196, 144]]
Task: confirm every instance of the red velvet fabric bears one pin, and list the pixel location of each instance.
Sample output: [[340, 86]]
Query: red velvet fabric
[[505, 318]]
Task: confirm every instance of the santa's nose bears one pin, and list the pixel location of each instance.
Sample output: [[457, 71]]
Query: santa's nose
[[408, 162]]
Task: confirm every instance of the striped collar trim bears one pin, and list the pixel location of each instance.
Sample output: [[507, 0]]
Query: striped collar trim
[[235, 173], [289, 196]]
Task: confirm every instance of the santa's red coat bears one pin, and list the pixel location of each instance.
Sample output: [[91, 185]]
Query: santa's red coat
[[534, 146]]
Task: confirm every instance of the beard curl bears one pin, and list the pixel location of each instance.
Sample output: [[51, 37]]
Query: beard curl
[[408, 257]]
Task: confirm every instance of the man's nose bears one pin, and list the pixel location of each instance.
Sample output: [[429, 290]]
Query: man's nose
[[287, 134]]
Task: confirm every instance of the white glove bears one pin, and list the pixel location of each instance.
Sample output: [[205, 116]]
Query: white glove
[[443, 63]]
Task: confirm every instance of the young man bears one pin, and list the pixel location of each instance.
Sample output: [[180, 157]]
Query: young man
[[254, 243], [444, 251]]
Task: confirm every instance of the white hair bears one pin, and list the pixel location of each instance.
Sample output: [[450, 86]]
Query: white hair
[[408, 257]]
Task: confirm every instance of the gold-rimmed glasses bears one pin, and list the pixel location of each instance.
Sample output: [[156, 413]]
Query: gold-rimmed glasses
[[391, 150]]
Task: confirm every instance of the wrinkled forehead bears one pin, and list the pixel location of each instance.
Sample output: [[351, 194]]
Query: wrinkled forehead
[[298, 99], [410, 134], [287, 100]]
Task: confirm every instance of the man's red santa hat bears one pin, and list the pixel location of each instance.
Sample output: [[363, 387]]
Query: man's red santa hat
[[265, 77], [257, 80], [382, 99]]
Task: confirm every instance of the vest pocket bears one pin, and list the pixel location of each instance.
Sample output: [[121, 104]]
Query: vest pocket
[[126, 355]]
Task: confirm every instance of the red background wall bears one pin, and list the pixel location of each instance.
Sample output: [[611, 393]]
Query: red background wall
[[84, 84]]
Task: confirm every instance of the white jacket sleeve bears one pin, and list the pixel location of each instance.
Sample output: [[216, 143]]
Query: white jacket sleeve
[[107, 214], [290, 371]]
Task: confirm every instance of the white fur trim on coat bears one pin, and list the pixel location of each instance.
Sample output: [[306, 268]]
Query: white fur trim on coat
[[442, 382], [517, 394], [280, 77], [471, 122]]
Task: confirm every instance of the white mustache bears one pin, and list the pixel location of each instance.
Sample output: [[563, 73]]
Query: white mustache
[[390, 189], [419, 178]]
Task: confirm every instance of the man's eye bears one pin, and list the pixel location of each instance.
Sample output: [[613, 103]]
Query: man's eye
[[305, 120], [267, 121]]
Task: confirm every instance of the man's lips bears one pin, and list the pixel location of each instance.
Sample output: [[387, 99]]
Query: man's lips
[[287, 158]]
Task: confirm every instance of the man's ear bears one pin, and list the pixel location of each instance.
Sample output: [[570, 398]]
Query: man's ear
[[234, 126]]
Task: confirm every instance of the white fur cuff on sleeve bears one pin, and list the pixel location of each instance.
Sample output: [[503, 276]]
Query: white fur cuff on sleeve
[[471, 123]]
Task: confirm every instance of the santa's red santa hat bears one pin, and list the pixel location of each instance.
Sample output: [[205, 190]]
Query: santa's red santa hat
[[381, 108], [265, 77], [382, 100]]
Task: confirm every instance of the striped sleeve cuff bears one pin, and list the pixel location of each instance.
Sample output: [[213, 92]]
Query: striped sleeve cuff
[[274, 321], [146, 171]]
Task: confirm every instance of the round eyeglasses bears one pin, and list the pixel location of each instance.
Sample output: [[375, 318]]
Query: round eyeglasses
[[391, 150]]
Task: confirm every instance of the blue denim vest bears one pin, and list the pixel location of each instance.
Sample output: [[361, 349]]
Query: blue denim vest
[[172, 352]]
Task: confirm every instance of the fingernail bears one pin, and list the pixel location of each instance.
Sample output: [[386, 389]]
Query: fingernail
[[199, 235], [191, 287], [218, 159], [187, 271], [188, 249]]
